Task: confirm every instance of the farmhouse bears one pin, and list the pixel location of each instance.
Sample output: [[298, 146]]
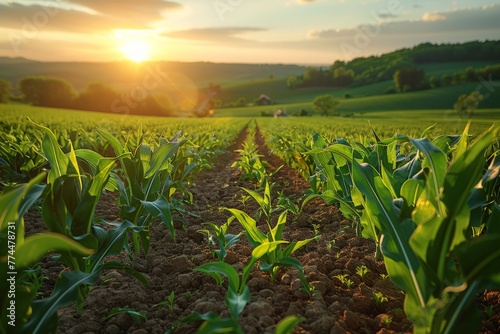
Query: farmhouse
[[263, 100]]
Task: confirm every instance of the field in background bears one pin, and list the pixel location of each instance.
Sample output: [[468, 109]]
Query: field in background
[[387, 123]]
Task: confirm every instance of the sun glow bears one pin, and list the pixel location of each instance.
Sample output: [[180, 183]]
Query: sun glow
[[134, 45], [137, 51]]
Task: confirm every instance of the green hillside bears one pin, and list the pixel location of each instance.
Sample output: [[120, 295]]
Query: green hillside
[[432, 99]]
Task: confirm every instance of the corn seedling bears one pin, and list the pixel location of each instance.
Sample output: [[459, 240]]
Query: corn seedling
[[277, 254], [220, 238], [361, 270], [379, 298], [344, 279], [286, 325], [251, 166], [169, 302], [33, 279], [387, 321]]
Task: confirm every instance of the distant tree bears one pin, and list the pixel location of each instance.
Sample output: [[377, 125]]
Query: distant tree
[[391, 90], [470, 74], [446, 80], [97, 97], [325, 104], [303, 113], [433, 82], [466, 105], [311, 76], [241, 102], [5, 91], [47, 92], [151, 106], [343, 77], [292, 82], [409, 78]]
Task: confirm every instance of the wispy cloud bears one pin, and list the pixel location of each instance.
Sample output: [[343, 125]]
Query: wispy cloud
[[428, 17], [223, 35]]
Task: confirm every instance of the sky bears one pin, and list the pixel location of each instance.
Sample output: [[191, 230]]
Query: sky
[[236, 31]]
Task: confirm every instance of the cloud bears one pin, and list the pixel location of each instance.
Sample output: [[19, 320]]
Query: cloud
[[433, 17], [103, 16], [132, 9], [227, 34], [456, 22]]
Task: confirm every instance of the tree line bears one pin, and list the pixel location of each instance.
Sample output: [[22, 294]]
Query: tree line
[[97, 96], [367, 70], [412, 78]]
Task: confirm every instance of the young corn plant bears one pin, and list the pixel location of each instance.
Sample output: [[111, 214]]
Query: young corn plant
[[20, 158], [219, 237], [237, 296], [425, 223], [277, 255], [250, 164], [149, 177], [70, 198], [18, 254]]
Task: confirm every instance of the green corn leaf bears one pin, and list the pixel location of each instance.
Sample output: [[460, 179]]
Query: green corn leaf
[[408, 170], [277, 232], [39, 245], [483, 266], [112, 244], [460, 315], [435, 160], [73, 163], [287, 325], [258, 252], [91, 158], [44, 317], [401, 263], [263, 201], [293, 246], [16, 202], [104, 168], [237, 302], [256, 237], [222, 268], [436, 239], [55, 156], [220, 326], [161, 208], [115, 143], [161, 157]]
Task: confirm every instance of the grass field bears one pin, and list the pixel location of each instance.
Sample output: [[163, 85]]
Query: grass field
[[386, 121]]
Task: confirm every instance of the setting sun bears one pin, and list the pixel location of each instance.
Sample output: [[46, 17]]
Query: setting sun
[[136, 50], [133, 44]]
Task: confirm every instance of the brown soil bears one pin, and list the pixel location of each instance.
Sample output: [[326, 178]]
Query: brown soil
[[168, 266]]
